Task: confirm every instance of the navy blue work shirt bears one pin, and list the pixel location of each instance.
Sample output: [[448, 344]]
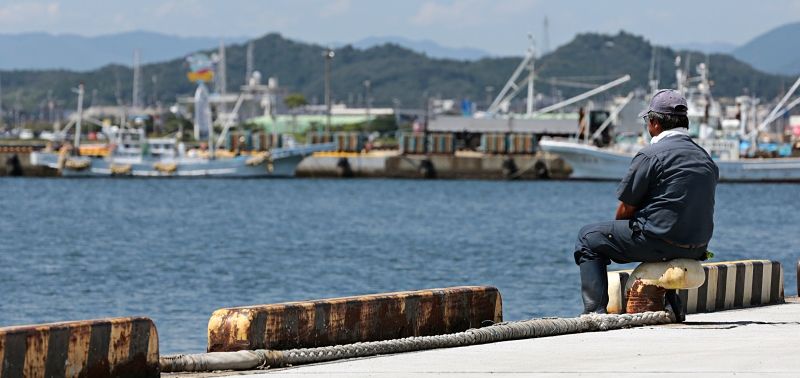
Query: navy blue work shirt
[[672, 185]]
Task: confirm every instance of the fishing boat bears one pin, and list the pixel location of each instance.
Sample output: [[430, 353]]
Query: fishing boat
[[128, 151], [130, 154], [731, 143]]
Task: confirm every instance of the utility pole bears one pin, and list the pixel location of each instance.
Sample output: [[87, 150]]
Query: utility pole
[[329, 54], [367, 100], [136, 101]]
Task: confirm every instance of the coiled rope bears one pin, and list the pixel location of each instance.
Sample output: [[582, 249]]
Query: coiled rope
[[526, 329]]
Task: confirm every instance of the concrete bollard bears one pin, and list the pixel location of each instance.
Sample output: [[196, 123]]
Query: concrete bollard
[[117, 347], [353, 319], [728, 285]]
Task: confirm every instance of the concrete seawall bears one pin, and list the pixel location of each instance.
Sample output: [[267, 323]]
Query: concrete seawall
[[458, 166]]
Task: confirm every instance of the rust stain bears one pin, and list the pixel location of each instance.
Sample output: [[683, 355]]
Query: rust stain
[[232, 329], [306, 323], [152, 347], [2, 351], [498, 307], [120, 341], [353, 319], [642, 298], [78, 349], [336, 327], [274, 324], [36, 352]]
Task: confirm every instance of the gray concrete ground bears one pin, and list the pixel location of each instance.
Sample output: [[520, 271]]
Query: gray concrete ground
[[751, 342]]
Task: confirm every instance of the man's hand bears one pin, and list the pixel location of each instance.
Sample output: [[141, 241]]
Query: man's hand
[[625, 211]]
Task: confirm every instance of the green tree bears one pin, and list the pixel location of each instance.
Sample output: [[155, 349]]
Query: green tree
[[294, 101]]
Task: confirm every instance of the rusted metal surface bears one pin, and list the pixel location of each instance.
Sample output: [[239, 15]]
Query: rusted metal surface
[[117, 347], [353, 319], [643, 298]]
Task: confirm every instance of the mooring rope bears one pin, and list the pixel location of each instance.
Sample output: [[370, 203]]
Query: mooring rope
[[526, 329]]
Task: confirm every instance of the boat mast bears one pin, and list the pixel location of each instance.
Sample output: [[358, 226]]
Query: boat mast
[[511, 85], [249, 63], [80, 117], [652, 76], [136, 101], [773, 114], [531, 66], [1, 101]]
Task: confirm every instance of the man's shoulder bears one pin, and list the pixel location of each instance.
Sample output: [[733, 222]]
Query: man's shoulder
[[670, 143]]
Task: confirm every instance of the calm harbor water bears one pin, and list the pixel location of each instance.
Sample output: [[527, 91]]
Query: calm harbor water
[[176, 250]]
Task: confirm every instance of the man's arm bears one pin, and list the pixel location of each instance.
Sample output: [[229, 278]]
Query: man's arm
[[625, 211]]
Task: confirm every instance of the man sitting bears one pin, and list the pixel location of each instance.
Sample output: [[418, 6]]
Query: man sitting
[[666, 208]]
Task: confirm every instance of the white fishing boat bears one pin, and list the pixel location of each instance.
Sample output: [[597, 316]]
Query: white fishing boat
[[611, 163], [142, 157], [729, 142]]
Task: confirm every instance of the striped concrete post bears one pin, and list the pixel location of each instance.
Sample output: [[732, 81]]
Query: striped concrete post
[[117, 347], [353, 319], [728, 285]]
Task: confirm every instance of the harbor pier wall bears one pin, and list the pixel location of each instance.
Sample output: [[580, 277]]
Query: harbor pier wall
[[349, 320], [116, 347]]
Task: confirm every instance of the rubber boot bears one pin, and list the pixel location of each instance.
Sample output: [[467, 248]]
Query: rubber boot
[[594, 286], [674, 302]]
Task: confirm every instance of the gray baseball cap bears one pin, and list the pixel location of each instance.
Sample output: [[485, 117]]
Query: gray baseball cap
[[667, 101]]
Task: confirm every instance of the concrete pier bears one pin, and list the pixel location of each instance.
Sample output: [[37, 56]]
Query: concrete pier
[[461, 165], [758, 341]]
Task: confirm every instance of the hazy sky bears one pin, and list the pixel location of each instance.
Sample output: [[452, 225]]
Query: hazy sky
[[497, 26]]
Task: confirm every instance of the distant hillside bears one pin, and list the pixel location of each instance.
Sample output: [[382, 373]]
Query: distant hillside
[[706, 47], [79, 53], [396, 73], [428, 47], [774, 51]]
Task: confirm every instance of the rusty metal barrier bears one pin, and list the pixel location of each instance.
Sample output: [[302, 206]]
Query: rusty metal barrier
[[117, 347], [353, 319], [728, 285]]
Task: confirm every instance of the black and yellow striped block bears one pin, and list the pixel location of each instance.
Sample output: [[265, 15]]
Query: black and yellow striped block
[[353, 319], [728, 285], [117, 347]]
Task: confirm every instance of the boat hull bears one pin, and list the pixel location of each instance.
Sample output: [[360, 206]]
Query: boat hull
[[592, 163], [283, 163]]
